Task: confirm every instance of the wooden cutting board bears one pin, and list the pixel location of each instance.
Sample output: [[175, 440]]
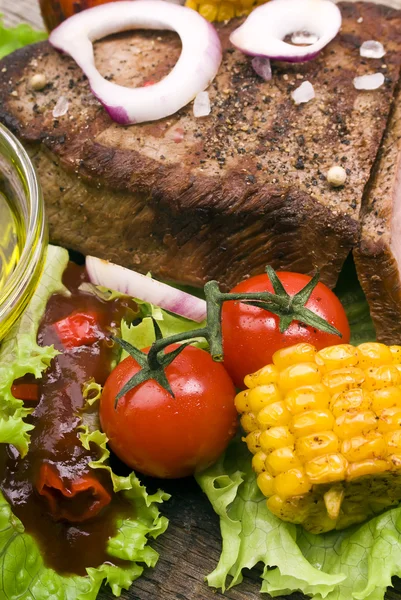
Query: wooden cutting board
[[191, 546]]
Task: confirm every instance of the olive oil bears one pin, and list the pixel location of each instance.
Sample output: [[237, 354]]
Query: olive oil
[[10, 240]]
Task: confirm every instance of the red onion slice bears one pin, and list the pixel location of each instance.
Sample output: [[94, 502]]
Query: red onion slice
[[263, 32], [136, 285], [195, 69]]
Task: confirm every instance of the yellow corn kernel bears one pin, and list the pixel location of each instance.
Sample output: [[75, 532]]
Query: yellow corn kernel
[[364, 447], [317, 444], [262, 396], [353, 423], [226, 11], [258, 462], [394, 461], [333, 499], [298, 375], [367, 467], [311, 421], [386, 398], [248, 422], [342, 380], [266, 484], [192, 4], [356, 399], [241, 401], [208, 11], [274, 438], [382, 377], [292, 483], [273, 415], [374, 354], [307, 397], [253, 441], [276, 505], [293, 509], [390, 419], [282, 459], [393, 440], [326, 469], [396, 354], [268, 374], [337, 357], [299, 353]]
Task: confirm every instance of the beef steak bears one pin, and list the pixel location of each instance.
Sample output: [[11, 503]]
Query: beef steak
[[378, 255], [216, 197]]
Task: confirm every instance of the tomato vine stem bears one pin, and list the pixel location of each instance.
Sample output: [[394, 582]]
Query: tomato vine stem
[[288, 309]]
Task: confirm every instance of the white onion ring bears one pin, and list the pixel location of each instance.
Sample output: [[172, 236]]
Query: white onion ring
[[113, 277], [263, 31], [195, 69]]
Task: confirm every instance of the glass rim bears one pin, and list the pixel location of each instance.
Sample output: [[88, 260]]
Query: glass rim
[[35, 235]]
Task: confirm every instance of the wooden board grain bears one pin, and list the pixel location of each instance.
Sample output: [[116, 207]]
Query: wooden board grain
[[191, 547]]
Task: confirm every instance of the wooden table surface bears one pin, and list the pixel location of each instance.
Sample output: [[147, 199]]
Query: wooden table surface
[[191, 546]]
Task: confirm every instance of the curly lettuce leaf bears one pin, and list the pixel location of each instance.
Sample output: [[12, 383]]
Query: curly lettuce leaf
[[252, 535], [23, 574], [20, 354], [357, 563], [12, 38]]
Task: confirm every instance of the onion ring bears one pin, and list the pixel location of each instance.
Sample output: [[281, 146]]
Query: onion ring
[[195, 69], [263, 32]]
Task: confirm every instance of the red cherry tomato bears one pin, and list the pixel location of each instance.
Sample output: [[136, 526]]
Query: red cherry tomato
[[251, 335], [162, 436]]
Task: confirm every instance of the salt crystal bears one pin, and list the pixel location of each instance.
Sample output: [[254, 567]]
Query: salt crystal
[[369, 82], [61, 107], [360, 20], [303, 93], [303, 38], [202, 105], [372, 49], [262, 67]]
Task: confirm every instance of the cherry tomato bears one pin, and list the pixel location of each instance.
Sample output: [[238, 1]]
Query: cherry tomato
[[251, 335], [162, 436]]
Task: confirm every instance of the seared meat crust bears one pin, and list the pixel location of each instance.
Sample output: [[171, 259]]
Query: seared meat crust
[[217, 197], [378, 255]]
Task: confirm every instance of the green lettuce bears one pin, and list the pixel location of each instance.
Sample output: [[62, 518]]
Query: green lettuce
[[142, 335], [23, 574], [12, 38], [357, 563], [20, 354], [353, 299]]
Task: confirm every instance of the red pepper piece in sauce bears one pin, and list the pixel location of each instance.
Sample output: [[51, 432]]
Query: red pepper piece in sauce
[[78, 329], [29, 392], [83, 499]]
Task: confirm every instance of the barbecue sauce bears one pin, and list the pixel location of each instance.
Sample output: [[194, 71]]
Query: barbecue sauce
[[68, 547]]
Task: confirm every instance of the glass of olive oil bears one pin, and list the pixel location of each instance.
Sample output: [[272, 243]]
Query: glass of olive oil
[[23, 233]]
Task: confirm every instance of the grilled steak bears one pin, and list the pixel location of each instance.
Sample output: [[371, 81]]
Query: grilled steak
[[217, 197], [378, 255]]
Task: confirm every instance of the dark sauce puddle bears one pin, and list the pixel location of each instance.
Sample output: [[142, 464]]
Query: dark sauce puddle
[[67, 547]]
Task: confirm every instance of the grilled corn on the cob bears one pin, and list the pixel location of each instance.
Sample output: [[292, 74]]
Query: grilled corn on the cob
[[324, 429], [223, 10]]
